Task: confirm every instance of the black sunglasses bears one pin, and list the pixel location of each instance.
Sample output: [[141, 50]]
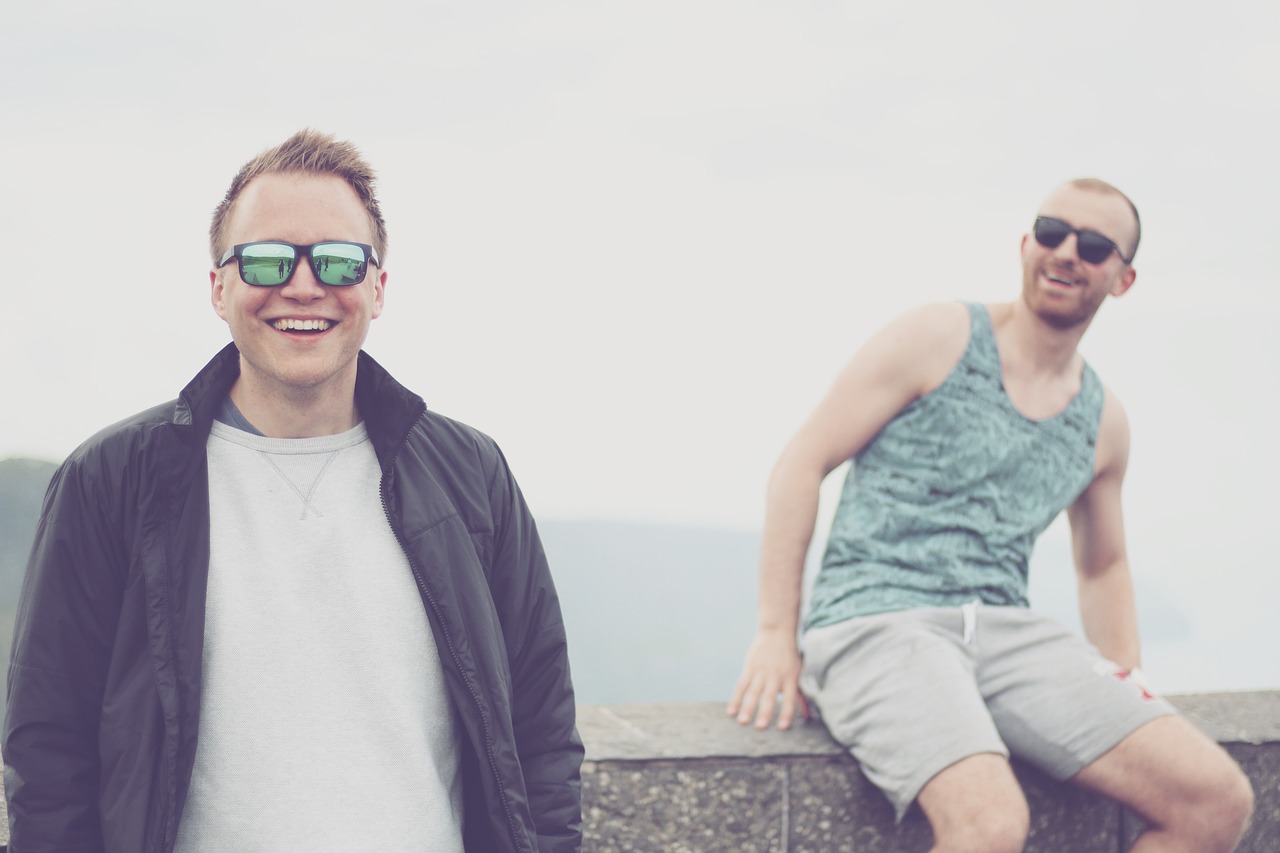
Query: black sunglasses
[[271, 263], [1092, 247]]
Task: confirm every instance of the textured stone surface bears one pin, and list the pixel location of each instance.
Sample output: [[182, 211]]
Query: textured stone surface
[[1067, 818], [702, 730], [690, 730], [1239, 717], [682, 807], [687, 778], [1262, 765], [834, 809]]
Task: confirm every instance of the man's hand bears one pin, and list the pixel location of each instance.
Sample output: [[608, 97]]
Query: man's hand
[[772, 668]]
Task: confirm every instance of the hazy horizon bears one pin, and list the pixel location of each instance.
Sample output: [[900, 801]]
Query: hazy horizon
[[662, 612]]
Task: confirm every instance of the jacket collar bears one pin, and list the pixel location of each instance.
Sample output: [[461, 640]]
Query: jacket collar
[[389, 409]]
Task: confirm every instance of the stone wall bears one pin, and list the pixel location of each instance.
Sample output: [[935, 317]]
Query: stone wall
[[687, 778]]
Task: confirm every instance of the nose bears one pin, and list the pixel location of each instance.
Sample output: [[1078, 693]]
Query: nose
[[1067, 250], [303, 286]]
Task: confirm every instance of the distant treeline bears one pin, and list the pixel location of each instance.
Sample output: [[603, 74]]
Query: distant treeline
[[22, 487]]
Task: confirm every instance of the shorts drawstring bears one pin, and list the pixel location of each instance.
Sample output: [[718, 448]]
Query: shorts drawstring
[[970, 614]]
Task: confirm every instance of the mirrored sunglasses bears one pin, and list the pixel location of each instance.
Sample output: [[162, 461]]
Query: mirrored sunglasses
[[1092, 247], [271, 263]]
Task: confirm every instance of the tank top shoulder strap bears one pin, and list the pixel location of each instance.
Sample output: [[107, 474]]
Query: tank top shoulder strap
[[1091, 395], [981, 351]]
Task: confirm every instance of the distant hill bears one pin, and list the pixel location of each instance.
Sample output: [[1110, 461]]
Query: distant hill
[[22, 486], [653, 612]]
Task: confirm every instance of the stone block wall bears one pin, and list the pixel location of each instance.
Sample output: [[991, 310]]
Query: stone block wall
[[685, 778]]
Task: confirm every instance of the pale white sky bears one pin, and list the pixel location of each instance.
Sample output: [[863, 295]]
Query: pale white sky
[[635, 241]]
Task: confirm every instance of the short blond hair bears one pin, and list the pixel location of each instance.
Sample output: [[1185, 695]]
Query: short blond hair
[[309, 152]]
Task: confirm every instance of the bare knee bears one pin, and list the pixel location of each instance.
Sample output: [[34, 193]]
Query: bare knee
[[1217, 818], [1225, 815], [999, 828], [976, 806], [1192, 794]]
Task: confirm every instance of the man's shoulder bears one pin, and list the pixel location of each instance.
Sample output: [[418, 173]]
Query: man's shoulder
[[927, 328], [445, 430], [111, 466], [450, 445], [919, 348], [124, 435], [149, 428]]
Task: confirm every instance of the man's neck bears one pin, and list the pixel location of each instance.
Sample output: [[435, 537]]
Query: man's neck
[[1031, 346], [1039, 366], [295, 412]]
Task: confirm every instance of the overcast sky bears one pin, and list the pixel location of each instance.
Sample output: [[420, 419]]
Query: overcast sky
[[635, 242]]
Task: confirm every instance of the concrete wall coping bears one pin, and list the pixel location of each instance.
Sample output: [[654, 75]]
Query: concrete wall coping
[[645, 732]]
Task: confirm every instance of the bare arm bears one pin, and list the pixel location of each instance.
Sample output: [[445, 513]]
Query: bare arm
[[1097, 538], [903, 361]]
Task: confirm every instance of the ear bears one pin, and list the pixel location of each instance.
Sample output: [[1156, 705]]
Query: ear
[[1124, 281], [379, 294], [215, 294], [1026, 247]]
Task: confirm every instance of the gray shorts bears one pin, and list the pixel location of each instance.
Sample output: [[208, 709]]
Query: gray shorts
[[911, 693]]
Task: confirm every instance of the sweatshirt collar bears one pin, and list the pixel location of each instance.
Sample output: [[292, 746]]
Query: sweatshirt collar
[[388, 408]]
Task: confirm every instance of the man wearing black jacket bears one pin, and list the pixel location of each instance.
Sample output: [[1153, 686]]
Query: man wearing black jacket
[[292, 609]]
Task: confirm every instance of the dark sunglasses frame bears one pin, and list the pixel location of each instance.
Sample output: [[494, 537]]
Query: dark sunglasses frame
[[1091, 247], [237, 252]]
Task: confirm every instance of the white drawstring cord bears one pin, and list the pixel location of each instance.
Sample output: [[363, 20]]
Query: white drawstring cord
[[970, 613]]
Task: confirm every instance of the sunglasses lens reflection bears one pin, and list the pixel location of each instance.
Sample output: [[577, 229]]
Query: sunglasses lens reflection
[[266, 264], [271, 264], [339, 264]]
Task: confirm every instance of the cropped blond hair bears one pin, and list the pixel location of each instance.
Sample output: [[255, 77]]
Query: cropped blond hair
[[308, 152]]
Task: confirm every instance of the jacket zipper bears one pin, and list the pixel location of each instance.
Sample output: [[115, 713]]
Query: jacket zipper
[[453, 652]]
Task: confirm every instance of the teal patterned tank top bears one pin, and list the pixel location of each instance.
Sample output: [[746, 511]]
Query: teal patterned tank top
[[944, 504]]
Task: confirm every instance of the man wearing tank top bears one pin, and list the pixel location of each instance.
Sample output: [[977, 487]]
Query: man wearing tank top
[[293, 609], [970, 428]]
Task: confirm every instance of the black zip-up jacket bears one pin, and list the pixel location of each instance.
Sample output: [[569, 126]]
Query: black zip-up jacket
[[104, 681]]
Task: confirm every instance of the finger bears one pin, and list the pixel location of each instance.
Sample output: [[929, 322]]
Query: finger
[[788, 712], [768, 702], [740, 692], [735, 701], [748, 704], [804, 707]]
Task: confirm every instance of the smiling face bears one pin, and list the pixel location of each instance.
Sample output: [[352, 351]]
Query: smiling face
[[1057, 286], [300, 338]]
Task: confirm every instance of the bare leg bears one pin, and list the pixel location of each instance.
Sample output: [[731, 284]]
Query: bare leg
[[1190, 792], [976, 806]]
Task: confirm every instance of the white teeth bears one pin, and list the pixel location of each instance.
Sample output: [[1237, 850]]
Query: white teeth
[[287, 325]]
